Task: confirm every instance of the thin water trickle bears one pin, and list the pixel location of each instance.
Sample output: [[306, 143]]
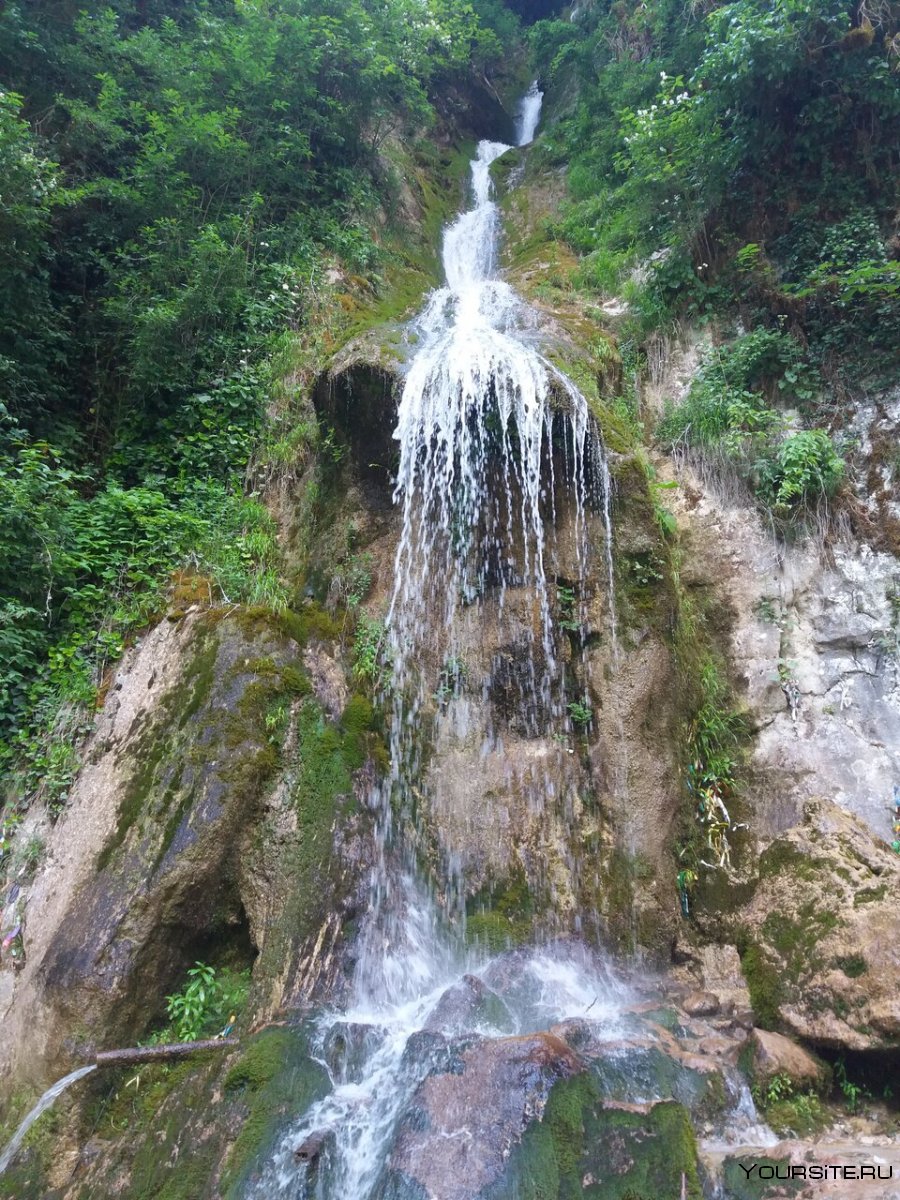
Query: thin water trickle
[[46, 1101], [480, 414]]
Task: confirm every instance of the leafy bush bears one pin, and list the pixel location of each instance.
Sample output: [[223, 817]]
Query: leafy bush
[[205, 1004], [178, 181], [680, 108], [726, 410], [802, 466], [369, 650]]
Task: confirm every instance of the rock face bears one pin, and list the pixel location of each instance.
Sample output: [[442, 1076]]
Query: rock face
[[810, 634], [589, 1107], [820, 951], [183, 831], [833, 1170]]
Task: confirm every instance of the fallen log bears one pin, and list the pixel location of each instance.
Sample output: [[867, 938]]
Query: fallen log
[[142, 1054]]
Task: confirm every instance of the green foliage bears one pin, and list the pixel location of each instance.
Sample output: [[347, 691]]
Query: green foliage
[[727, 410], [567, 600], [804, 465], [679, 108], [178, 181], [580, 712], [713, 748], [451, 678], [81, 568], [206, 1003], [787, 1111], [370, 661]]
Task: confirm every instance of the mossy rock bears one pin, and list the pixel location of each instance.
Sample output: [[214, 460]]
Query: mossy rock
[[274, 1080], [743, 1180], [630, 1074], [585, 1148], [501, 917]]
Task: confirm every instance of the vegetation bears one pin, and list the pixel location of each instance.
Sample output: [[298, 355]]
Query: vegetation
[[788, 1111], [676, 109], [680, 107], [179, 181], [726, 413], [207, 1004]]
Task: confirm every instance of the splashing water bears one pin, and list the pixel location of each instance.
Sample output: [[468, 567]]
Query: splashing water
[[46, 1101], [483, 416]]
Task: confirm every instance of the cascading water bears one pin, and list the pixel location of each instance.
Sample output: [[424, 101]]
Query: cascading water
[[482, 416]]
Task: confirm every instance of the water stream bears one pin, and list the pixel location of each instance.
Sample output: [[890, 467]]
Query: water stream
[[46, 1101], [481, 412]]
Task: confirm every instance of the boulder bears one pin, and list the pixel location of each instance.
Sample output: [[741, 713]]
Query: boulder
[[456, 1135], [701, 1004], [818, 933], [772, 1054], [467, 1005]]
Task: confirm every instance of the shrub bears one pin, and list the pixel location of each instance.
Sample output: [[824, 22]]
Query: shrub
[[803, 466]]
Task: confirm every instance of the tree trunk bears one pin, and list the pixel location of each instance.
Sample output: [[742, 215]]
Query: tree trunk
[[141, 1054]]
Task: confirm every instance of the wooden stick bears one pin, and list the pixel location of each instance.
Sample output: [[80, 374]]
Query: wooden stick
[[141, 1054]]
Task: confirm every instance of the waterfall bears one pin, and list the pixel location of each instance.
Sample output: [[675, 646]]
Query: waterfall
[[46, 1101], [482, 414]]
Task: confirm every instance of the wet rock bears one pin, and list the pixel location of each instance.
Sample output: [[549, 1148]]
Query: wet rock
[[182, 831], [774, 1055], [428, 1052], [347, 1047], [701, 1004], [585, 1147], [327, 678], [470, 1004], [310, 1150], [456, 1135]]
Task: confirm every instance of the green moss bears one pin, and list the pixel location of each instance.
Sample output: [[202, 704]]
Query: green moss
[[783, 857], [410, 263], [295, 682], [764, 983], [799, 1116], [617, 435], [503, 915], [358, 722], [155, 1106], [797, 938], [869, 895], [668, 1018], [181, 703], [273, 1079], [261, 1061], [853, 965], [312, 621], [174, 753], [27, 1177], [583, 1148], [741, 1186]]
